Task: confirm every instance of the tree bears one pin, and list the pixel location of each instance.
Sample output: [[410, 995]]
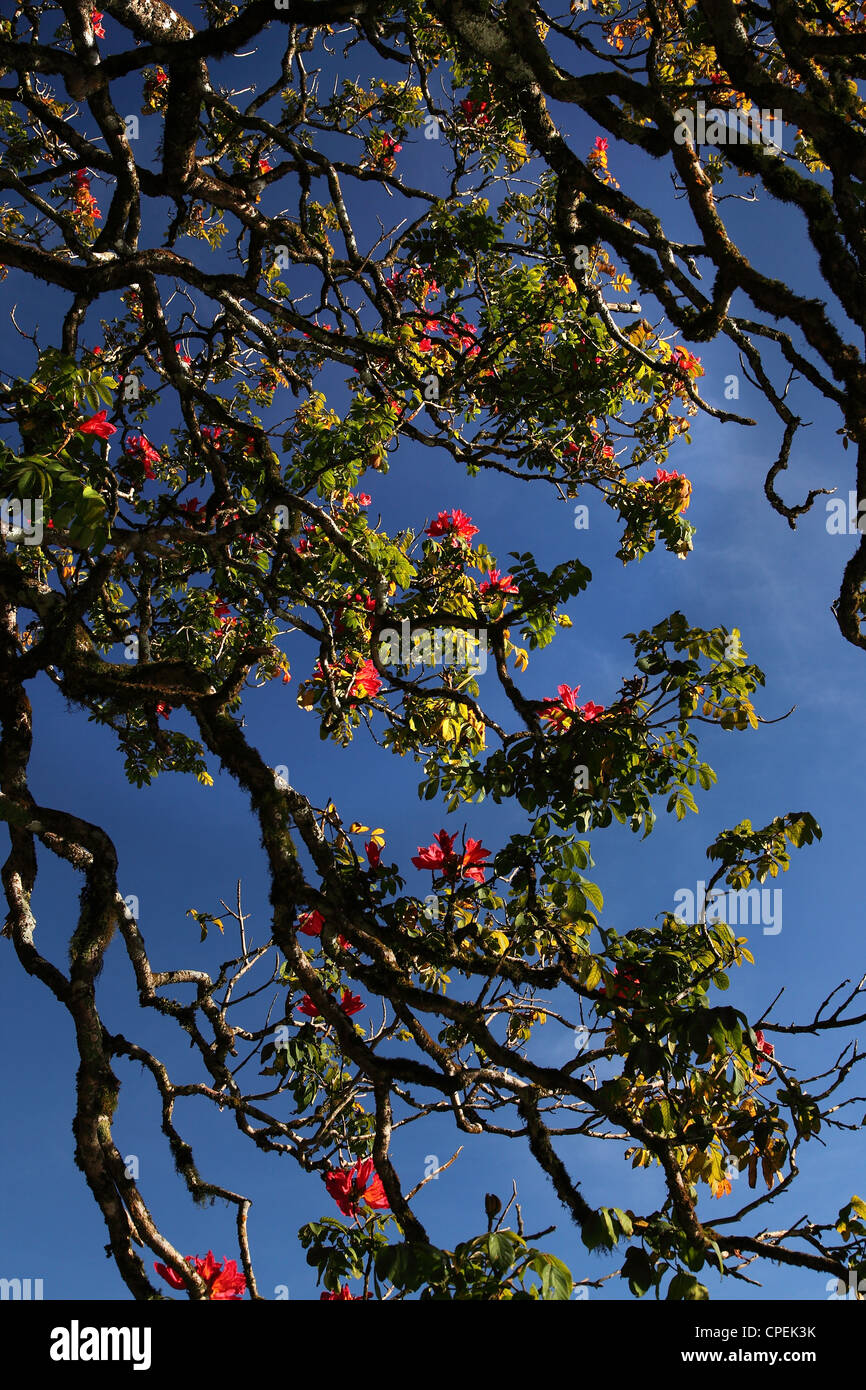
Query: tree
[[763, 92], [453, 317]]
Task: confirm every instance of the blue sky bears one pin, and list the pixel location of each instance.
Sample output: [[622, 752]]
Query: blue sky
[[182, 846]]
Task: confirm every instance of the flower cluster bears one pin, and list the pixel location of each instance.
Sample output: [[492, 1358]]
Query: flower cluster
[[497, 584], [224, 614], [388, 148], [560, 712], [350, 1004], [476, 111], [462, 335], [139, 447], [455, 524], [628, 984], [365, 681], [442, 858], [682, 489], [687, 362], [85, 203], [351, 1186], [224, 1280]]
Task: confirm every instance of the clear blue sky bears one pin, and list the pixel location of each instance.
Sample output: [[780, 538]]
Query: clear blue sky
[[181, 845]]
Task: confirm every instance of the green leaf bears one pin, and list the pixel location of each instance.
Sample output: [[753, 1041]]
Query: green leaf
[[638, 1270], [684, 1287]]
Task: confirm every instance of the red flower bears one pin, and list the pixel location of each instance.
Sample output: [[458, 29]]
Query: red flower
[[98, 425], [96, 21], [364, 500], [591, 711], [137, 446], [212, 433], [344, 1294], [374, 854], [351, 1003], [474, 111], [170, 1276], [463, 335], [441, 856], [161, 76], [687, 362], [84, 199], [224, 1281], [456, 524], [629, 988], [557, 714], [600, 144], [497, 584], [765, 1048], [264, 166], [366, 681], [390, 147], [473, 856], [311, 923], [683, 490], [349, 1186], [163, 709], [192, 508], [425, 345], [222, 611], [307, 1007], [438, 855]]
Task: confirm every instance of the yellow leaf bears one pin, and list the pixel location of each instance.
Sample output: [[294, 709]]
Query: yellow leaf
[[357, 829], [501, 940], [592, 975]]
